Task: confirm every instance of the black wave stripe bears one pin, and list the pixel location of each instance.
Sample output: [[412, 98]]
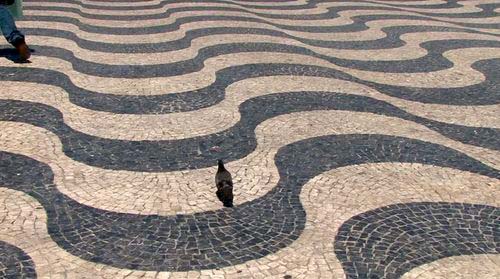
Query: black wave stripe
[[159, 29], [449, 4], [219, 238], [236, 142], [331, 13], [309, 5], [390, 241], [477, 136], [14, 262], [484, 93], [487, 10], [359, 24], [391, 40], [432, 61], [162, 4]]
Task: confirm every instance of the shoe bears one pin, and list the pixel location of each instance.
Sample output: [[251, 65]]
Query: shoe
[[24, 51]]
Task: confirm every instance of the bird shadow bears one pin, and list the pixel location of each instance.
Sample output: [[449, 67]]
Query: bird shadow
[[12, 55]]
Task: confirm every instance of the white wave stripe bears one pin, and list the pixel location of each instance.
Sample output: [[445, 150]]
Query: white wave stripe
[[320, 8], [260, 3], [329, 199], [226, 114], [317, 10], [482, 266], [345, 18], [461, 74], [189, 14], [164, 85], [411, 49], [184, 28], [186, 192]]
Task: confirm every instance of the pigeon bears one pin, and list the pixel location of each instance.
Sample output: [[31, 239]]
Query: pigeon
[[224, 183]]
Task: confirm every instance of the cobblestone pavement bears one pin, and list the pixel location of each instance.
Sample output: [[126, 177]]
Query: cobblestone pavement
[[363, 138]]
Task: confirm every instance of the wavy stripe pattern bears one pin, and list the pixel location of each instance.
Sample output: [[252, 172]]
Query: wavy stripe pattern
[[185, 242], [363, 138]]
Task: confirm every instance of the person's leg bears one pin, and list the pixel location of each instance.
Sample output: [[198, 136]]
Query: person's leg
[[13, 36]]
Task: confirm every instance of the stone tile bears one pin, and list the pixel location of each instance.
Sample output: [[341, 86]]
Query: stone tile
[[362, 138]]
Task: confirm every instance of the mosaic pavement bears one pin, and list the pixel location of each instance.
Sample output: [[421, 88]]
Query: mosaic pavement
[[363, 138]]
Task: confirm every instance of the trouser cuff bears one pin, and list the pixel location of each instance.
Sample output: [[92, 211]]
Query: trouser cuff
[[16, 38]]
